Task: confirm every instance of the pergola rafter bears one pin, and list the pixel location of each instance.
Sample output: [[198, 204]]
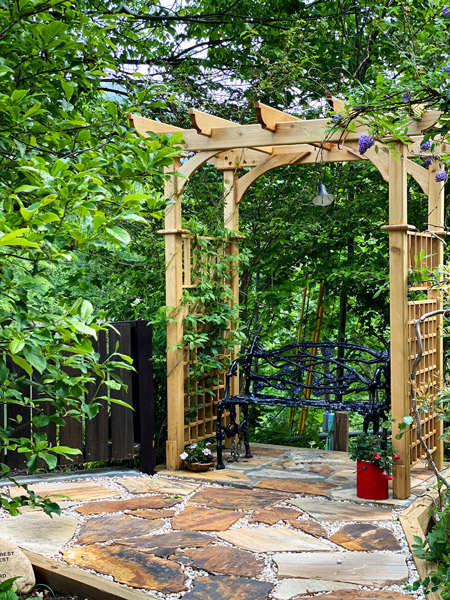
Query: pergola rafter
[[244, 153]]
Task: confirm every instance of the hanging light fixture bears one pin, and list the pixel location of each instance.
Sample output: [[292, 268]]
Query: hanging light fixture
[[323, 198]]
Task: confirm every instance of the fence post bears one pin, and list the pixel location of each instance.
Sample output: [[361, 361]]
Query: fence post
[[144, 401]]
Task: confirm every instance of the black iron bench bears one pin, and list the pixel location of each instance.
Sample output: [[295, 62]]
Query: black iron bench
[[334, 376]]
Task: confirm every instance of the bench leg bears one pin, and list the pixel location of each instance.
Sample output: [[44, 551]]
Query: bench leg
[[220, 437], [248, 453]]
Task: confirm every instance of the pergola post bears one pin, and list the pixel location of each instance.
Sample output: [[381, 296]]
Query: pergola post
[[398, 271], [174, 293], [436, 223], [231, 223]]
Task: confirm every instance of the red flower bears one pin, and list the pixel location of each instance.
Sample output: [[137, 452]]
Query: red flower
[[376, 456], [384, 474], [389, 477], [396, 456]]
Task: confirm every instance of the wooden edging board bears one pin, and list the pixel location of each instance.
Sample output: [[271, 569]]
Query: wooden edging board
[[415, 520], [70, 580]]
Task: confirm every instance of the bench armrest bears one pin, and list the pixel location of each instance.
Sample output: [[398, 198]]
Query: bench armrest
[[232, 372]]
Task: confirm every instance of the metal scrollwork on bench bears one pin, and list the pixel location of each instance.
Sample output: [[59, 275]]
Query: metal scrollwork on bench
[[339, 375]]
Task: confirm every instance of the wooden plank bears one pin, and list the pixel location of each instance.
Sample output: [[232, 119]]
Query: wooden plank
[[268, 117], [144, 125], [97, 429], [71, 434], [14, 412], [287, 133], [336, 104], [174, 293], [122, 430], [70, 580], [398, 268], [231, 223], [414, 522], [436, 220], [341, 424], [203, 122], [145, 408], [45, 408], [238, 159]]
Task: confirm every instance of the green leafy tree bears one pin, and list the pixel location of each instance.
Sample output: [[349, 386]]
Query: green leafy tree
[[73, 178]]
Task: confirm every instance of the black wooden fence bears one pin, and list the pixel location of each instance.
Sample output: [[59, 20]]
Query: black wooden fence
[[116, 433]]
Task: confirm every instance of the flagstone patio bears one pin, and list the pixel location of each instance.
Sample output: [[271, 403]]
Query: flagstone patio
[[283, 525]]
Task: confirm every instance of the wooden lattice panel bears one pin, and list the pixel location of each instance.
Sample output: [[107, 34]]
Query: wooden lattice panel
[[426, 246], [428, 377], [200, 423]]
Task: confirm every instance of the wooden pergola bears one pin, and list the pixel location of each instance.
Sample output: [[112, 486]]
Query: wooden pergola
[[244, 153]]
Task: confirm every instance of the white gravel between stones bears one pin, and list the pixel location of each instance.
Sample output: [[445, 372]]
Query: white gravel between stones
[[269, 572]]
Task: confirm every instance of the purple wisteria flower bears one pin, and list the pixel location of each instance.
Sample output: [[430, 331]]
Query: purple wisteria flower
[[427, 162], [445, 11], [365, 142], [446, 68], [425, 146], [406, 97], [441, 176]]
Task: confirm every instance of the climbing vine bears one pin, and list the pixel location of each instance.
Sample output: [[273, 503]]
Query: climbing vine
[[211, 318]]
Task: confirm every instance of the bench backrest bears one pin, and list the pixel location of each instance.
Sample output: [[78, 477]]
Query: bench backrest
[[318, 369]]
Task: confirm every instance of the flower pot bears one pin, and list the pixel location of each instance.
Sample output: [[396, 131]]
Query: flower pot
[[370, 484], [198, 466]]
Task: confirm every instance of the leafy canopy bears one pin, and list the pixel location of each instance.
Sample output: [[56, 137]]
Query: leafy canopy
[[72, 176]]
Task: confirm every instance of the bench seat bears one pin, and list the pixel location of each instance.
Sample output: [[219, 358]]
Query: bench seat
[[333, 376]]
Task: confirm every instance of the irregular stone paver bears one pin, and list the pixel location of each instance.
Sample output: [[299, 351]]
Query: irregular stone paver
[[365, 537], [292, 588], [97, 508], [148, 513], [345, 476], [377, 570], [14, 563], [129, 566], [274, 473], [75, 490], [221, 559], [324, 510], [311, 455], [267, 539], [320, 469], [225, 476], [221, 587], [365, 595], [165, 544], [205, 519], [311, 488], [146, 485], [288, 465], [113, 527], [272, 515], [311, 527], [268, 450], [35, 531], [236, 498], [350, 494]]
